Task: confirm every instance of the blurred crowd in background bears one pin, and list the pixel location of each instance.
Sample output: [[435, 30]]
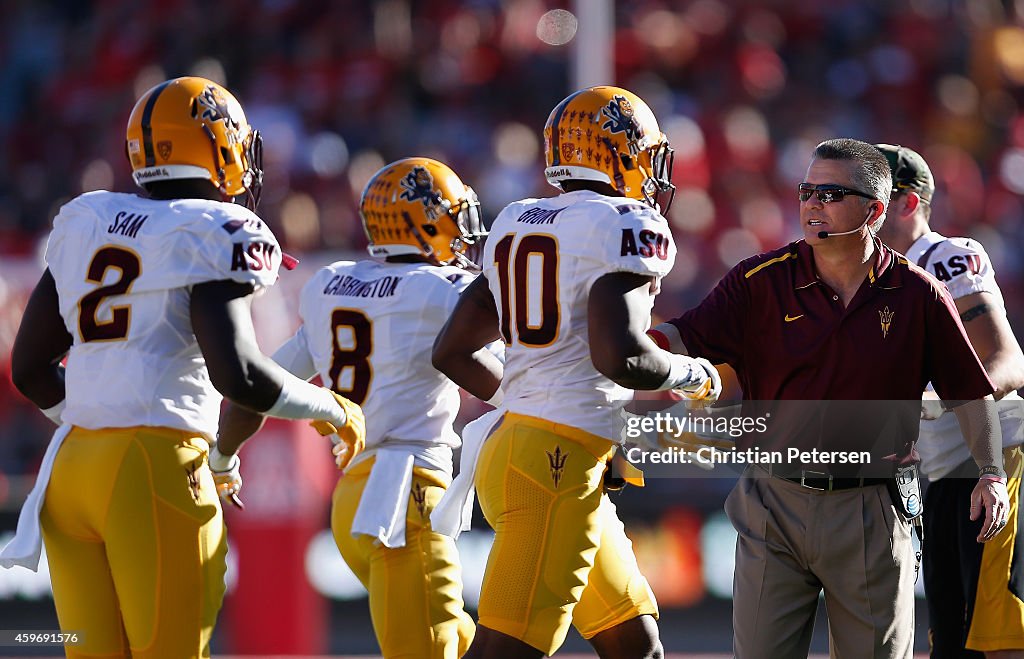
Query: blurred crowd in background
[[743, 88]]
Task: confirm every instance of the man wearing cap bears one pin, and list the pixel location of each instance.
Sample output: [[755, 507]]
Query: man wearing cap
[[838, 316], [974, 591]]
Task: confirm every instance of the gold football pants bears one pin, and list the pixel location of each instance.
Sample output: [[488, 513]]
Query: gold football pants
[[416, 590], [561, 555], [135, 540]]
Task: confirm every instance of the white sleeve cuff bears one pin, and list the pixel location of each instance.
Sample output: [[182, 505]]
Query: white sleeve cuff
[[497, 398], [302, 400], [54, 413]]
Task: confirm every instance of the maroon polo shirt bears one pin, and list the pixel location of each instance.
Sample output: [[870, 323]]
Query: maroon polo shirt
[[788, 336]]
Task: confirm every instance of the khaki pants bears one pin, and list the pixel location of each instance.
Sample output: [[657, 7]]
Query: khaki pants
[[795, 542]]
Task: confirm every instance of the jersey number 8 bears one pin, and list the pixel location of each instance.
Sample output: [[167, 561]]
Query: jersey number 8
[[351, 347]]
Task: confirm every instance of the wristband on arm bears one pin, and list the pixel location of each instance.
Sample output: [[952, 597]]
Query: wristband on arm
[[992, 473]]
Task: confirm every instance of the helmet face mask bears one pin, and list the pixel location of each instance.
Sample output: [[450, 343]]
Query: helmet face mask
[[192, 128], [419, 206], [609, 135]]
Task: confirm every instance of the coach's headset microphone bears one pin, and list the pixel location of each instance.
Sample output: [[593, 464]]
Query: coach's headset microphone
[[825, 234]]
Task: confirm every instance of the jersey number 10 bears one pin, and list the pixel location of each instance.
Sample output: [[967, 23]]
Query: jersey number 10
[[516, 287]]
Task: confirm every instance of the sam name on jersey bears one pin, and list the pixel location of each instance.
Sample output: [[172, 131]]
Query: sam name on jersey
[[127, 224]]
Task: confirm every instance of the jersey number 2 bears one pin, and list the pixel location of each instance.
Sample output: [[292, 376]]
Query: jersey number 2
[[115, 329], [514, 280], [351, 348]]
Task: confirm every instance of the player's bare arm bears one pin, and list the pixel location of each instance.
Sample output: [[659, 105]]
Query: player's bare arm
[[459, 349], [993, 340], [620, 348], [617, 317], [41, 343], [979, 424], [222, 322], [237, 424]]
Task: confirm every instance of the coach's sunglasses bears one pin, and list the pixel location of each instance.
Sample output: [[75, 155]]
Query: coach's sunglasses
[[828, 193]]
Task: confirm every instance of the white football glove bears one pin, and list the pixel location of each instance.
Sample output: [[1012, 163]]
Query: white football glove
[[226, 475], [707, 388]]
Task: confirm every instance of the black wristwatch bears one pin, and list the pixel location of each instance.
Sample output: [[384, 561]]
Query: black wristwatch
[[992, 470]]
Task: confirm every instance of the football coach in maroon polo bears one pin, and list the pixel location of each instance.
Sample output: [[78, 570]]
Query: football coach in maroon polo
[[836, 316]]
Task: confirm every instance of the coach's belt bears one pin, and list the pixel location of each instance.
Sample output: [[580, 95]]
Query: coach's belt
[[821, 481]]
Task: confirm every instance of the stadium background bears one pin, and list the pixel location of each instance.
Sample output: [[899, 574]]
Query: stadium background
[[744, 89]]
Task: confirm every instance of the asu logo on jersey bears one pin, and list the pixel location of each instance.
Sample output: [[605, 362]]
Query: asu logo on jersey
[[645, 243], [957, 265], [255, 256]]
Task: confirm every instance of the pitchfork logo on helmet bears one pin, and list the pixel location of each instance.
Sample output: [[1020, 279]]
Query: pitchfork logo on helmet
[[420, 206], [609, 135]]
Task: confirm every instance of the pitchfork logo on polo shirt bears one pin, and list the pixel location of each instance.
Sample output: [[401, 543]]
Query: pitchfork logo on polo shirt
[[885, 317]]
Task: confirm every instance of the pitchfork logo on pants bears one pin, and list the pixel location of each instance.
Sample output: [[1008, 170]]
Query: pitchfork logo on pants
[[556, 462]]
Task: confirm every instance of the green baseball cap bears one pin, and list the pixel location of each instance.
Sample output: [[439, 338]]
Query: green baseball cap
[[909, 170]]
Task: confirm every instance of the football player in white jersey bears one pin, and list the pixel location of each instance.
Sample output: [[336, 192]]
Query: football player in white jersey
[[975, 597], [367, 330], [148, 296], [569, 283]]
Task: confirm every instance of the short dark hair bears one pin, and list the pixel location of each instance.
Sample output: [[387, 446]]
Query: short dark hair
[[872, 174]]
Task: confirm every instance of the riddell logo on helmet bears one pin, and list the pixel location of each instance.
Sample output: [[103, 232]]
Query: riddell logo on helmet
[[158, 172], [558, 172]]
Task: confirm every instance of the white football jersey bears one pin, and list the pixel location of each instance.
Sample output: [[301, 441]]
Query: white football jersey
[[965, 268], [124, 267], [541, 259], [369, 328]]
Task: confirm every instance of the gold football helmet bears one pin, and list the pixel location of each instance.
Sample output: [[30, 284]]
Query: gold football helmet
[[194, 128], [608, 134], [420, 206]]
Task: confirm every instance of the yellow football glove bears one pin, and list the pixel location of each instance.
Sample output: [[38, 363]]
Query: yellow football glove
[[350, 439]]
